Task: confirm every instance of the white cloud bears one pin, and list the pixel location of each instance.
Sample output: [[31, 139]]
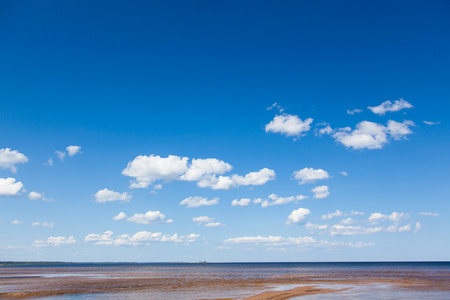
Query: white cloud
[[278, 241], [418, 227], [61, 155], [277, 106], [49, 162], [35, 196], [55, 241], [405, 228], [147, 169], [394, 217], [157, 186], [120, 216], [354, 111], [44, 224], [431, 123], [347, 221], [274, 199], [320, 192], [343, 173], [298, 216], [147, 218], [9, 187], [326, 130], [370, 135], [214, 224], [72, 150], [330, 216], [243, 202], [16, 222], [197, 201], [289, 125], [106, 195], [201, 167], [310, 175], [311, 226], [202, 219], [9, 158], [388, 106], [340, 229], [429, 214], [138, 239], [356, 213]]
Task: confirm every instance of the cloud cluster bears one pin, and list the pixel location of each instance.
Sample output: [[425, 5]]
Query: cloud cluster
[[310, 175], [55, 241], [277, 241], [138, 239], [393, 217], [370, 135], [197, 201], [388, 106], [9, 187], [148, 169], [10, 158], [289, 125], [271, 200], [106, 195], [38, 196], [71, 151]]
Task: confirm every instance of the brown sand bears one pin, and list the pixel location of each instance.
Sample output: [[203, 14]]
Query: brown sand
[[296, 292]]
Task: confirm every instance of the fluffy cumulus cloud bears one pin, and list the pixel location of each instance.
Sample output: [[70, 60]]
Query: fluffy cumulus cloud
[[148, 218], [9, 187], [298, 216], [388, 106], [72, 150], [274, 199], [10, 158], [289, 125], [55, 241], [320, 192], [138, 239], [197, 201], [370, 135], [206, 221], [206, 172], [106, 195], [276, 241], [242, 202], [310, 175]]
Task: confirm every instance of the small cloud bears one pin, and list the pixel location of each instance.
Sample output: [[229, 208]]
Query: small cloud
[[243, 202], [298, 216], [289, 125], [418, 227], [16, 222], [43, 224], [120, 216], [60, 155], [55, 241], [274, 199], [330, 216], [49, 162], [147, 218], [9, 187], [106, 195], [72, 150], [320, 192], [157, 186], [343, 173], [394, 217], [277, 106], [429, 214], [197, 201], [388, 106], [10, 158], [310, 175], [431, 123], [354, 111]]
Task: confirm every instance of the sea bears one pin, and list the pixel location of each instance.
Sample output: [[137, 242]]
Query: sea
[[351, 280]]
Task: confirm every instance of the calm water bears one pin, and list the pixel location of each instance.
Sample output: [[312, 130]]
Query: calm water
[[385, 280]]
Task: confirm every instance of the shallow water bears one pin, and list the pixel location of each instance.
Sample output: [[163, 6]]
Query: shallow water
[[226, 280]]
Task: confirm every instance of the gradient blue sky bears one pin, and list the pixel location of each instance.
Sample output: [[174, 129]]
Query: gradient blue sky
[[133, 82]]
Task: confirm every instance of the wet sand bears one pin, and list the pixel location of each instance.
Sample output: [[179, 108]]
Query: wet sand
[[198, 283]]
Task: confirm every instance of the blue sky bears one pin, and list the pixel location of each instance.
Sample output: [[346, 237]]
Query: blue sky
[[129, 130]]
